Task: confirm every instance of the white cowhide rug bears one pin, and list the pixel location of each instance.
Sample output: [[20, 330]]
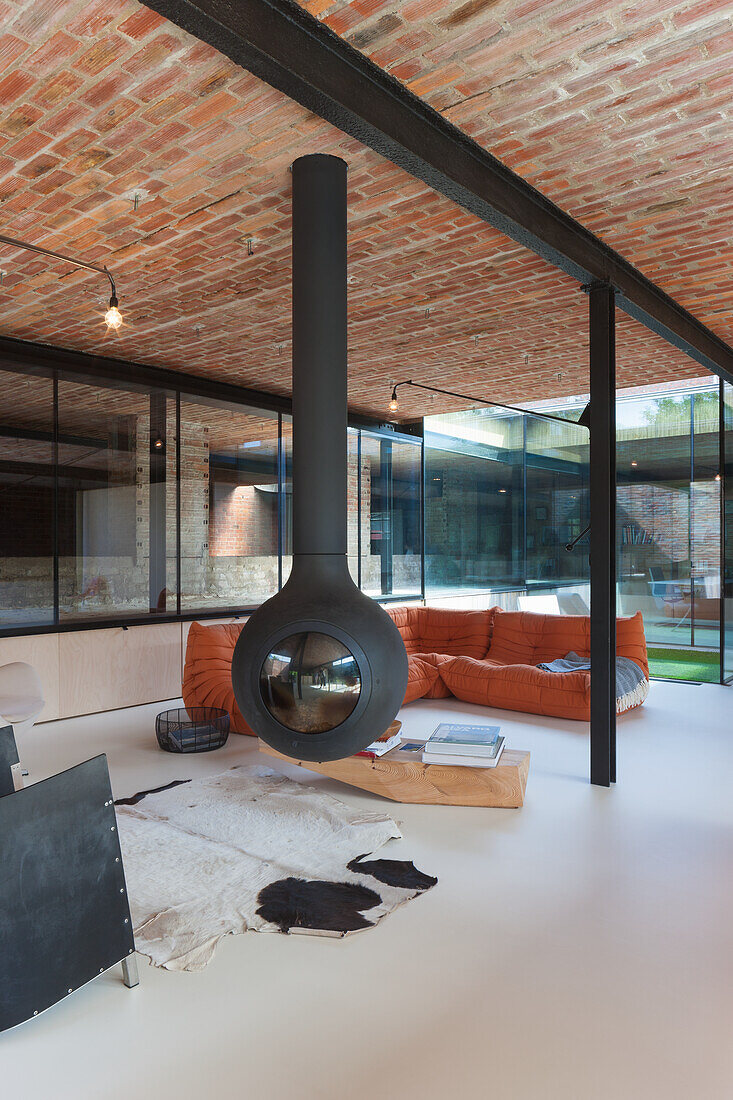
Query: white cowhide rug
[[250, 849]]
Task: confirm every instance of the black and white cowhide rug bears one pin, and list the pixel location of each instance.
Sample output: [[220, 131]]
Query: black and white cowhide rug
[[249, 849]]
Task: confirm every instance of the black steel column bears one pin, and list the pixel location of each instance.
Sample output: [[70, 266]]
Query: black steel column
[[423, 503], [319, 355], [721, 483], [602, 320], [178, 504], [56, 502], [157, 508], [358, 509], [386, 492]]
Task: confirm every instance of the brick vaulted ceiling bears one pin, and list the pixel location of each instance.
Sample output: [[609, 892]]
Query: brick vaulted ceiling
[[102, 101], [621, 113]]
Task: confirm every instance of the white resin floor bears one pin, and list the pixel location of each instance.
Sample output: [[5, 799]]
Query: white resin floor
[[577, 949]]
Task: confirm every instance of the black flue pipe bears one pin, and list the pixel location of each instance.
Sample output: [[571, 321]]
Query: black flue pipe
[[319, 670], [320, 410]]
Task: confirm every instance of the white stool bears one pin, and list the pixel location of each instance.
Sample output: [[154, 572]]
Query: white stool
[[21, 700]]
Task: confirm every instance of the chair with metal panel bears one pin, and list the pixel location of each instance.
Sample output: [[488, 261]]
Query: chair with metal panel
[[64, 913]]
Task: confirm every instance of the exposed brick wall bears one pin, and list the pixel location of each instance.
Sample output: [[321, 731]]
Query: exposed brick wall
[[244, 521]]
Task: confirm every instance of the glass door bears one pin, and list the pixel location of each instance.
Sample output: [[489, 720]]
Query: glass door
[[726, 416]]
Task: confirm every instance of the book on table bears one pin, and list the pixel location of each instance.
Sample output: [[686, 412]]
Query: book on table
[[466, 760], [451, 739], [380, 747]]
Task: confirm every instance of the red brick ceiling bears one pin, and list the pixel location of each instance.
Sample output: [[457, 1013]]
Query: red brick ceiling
[[622, 113], [100, 102]]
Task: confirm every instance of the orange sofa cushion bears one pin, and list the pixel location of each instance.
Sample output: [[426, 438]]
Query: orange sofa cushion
[[422, 677], [525, 638], [508, 677], [436, 662], [444, 630], [407, 623], [520, 687], [207, 672]]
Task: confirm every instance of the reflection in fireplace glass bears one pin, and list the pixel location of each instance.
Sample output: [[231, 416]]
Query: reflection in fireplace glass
[[310, 682]]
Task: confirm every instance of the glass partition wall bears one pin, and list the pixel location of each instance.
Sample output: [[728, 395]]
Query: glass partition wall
[[28, 577], [507, 510], [726, 462], [504, 494], [230, 505], [126, 503], [389, 494], [114, 472], [123, 502], [474, 501], [669, 507]]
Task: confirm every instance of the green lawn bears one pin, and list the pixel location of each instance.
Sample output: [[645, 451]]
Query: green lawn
[[684, 664]]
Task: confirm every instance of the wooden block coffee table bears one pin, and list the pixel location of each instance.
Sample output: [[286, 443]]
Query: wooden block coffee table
[[402, 778]]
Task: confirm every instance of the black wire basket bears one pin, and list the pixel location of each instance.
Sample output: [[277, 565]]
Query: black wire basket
[[196, 729]]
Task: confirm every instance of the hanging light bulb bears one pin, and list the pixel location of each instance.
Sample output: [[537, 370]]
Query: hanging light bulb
[[113, 317], [393, 402]]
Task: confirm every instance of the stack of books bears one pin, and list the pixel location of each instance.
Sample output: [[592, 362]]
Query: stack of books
[[381, 746], [467, 746]]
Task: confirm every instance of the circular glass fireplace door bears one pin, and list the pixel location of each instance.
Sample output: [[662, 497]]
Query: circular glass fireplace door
[[310, 682]]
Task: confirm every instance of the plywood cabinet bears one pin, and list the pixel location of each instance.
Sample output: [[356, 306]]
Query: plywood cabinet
[[106, 669], [41, 651]]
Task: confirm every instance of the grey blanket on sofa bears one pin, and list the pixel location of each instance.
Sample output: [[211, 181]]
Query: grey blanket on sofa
[[631, 684]]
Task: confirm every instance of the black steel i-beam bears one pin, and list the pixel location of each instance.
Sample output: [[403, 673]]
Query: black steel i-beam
[[602, 324]]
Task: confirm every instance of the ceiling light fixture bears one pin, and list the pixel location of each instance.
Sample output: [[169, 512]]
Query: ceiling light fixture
[[394, 403], [113, 317]]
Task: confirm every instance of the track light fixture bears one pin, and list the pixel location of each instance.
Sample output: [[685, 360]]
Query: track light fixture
[[112, 317], [394, 403]]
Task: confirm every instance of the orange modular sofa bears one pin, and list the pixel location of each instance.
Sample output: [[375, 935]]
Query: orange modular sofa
[[486, 657], [491, 657]]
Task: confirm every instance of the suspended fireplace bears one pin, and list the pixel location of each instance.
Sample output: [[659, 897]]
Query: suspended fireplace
[[320, 670]]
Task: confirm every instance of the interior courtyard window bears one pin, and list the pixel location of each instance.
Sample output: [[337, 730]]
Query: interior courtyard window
[[116, 501], [474, 501], [230, 505], [27, 500], [391, 536], [557, 509], [726, 424], [668, 522]]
